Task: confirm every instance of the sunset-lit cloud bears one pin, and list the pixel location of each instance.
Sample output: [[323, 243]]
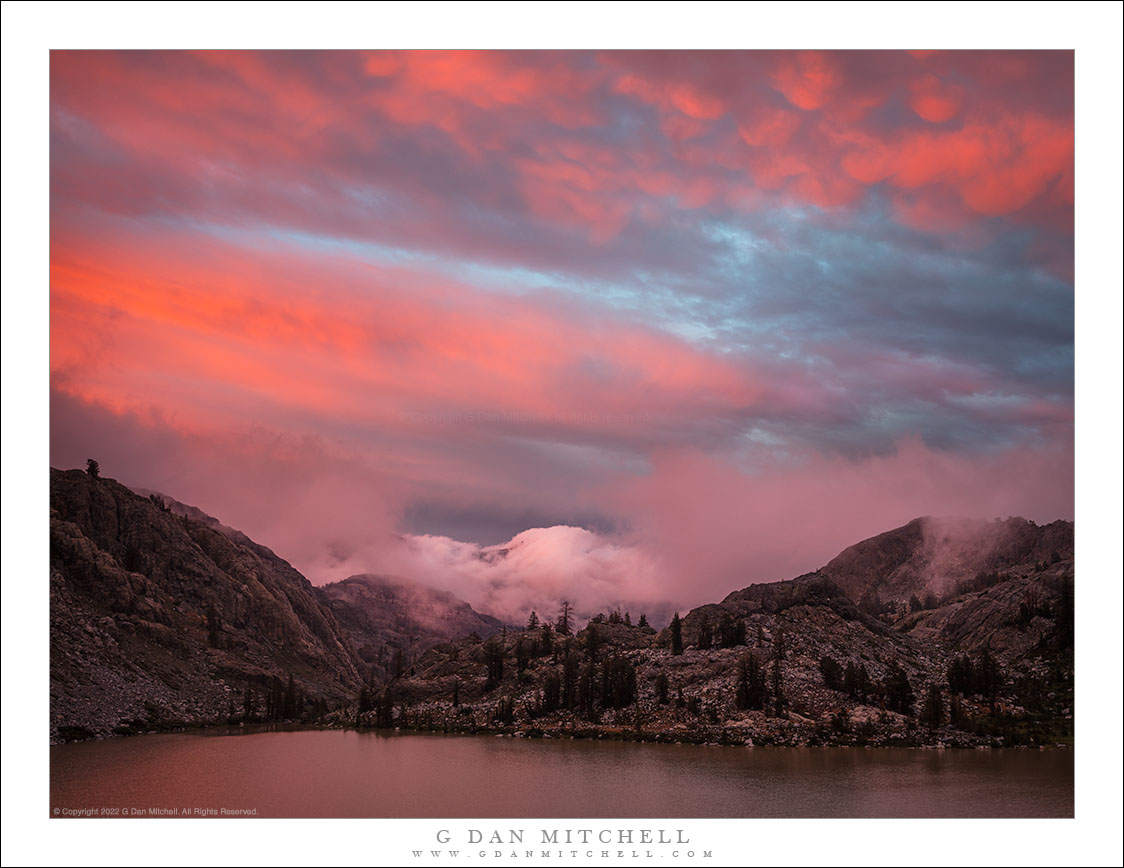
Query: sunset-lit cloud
[[673, 321]]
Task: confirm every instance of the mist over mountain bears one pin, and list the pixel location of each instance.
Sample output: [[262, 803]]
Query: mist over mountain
[[931, 555], [162, 616], [391, 620]]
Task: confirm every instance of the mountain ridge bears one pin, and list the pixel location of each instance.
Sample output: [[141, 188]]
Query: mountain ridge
[[161, 616]]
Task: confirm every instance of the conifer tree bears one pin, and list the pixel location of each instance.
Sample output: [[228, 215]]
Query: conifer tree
[[565, 625], [676, 635], [493, 659], [750, 691], [586, 690], [899, 692], [384, 711], [248, 705], [988, 679], [551, 693], [363, 706], [780, 703], [832, 673], [592, 641], [277, 700], [290, 711], [522, 652], [706, 635], [618, 682], [933, 713], [956, 712], [570, 671]]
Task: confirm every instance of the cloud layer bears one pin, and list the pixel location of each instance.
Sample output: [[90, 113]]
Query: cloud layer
[[686, 318]]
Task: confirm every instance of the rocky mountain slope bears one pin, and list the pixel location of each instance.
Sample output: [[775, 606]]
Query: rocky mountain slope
[[392, 621], [159, 619], [940, 631], [989, 660], [162, 616], [933, 555]]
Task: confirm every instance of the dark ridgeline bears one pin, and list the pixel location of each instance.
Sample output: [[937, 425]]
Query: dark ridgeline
[[952, 632], [159, 620]]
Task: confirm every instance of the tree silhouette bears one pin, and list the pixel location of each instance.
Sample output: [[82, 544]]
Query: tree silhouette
[[522, 651], [290, 708], [248, 705], [751, 691], [384, 711], [676, 635], [618, 685], [780, 703], [832, 673], [92, 468], [933, 712], [570, 670], [731, 631], [989, 680], [899, 692], [551, 693], [564, 625], [706, 635], [493, 660], [592, 642]]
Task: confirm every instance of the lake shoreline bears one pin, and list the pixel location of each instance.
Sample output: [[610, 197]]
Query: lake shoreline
[[699, 738]]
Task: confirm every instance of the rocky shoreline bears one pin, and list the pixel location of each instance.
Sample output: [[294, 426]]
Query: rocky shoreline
[[700, 738]]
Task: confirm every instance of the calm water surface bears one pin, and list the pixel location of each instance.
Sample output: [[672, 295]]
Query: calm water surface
[[375, 774]]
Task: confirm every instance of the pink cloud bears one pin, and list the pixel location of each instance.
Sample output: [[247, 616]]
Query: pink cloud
[[806, 122]]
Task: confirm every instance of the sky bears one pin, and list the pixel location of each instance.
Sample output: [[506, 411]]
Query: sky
[[628, 328]]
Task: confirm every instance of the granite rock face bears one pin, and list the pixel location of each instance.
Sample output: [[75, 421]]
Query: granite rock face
[[392, 621], [160, 620], [932, 555]]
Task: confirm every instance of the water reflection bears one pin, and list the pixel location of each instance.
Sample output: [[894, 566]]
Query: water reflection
[[378, 774]]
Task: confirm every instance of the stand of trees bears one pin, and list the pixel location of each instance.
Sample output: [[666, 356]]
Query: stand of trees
[[280, 701], [898, 690], [932, 713], [494, 653], [751, 692], [980, 677]]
